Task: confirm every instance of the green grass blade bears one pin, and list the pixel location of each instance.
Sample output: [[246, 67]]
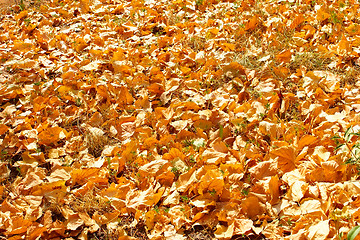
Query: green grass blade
[[353, 233]]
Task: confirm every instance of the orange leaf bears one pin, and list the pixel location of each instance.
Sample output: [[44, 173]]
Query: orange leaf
[[35, 233], [84, 5], [150, 219], [81, 176], [252, 207], [102, 91], [211, 181], [34, 157], [242, 226], [353, 29], [96, 120], [228, 47], [343, 47], [185, 70], [3, 129], [54, 189], [79, 45], [19, 226], [322, 14], [74, 222], [21, 15], [203, 124], [274, 185], [223, 232], [124, 96], [213, 31], [282, 72], [118, 10], [306, 140], [119, 67], [166, 178], [104, 218], [51, 135], [22, 46], [236, 68], [153, 167], [286, 157], [253, 22], [284, 56], [297, 21], [156, 88]]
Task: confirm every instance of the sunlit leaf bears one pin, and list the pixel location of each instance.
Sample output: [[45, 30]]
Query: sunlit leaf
[[52, 135]]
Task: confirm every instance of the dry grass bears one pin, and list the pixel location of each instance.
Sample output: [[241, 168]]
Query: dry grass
[[311, 60], [21, 4], [349, 75], [91, 203], [96, 140], [7, 3]]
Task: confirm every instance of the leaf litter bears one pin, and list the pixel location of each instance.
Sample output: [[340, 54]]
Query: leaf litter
[[179, 119]]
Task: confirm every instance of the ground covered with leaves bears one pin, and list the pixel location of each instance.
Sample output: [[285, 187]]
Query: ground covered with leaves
[[179, 119]]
